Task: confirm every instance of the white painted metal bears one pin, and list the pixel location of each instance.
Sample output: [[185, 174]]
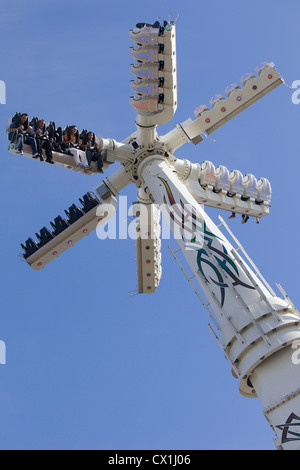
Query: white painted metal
[[156, 74], [214, 188], [60, 159], [209, 120], [75, 232], [148, 244], [256, 329]]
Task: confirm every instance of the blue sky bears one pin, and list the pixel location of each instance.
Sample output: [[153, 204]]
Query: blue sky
[[89, 366]]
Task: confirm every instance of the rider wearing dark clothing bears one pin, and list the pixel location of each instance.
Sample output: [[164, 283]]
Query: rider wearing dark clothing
[[42, 139], [17, 130], [19, 134], [19, 124], [92, 151]]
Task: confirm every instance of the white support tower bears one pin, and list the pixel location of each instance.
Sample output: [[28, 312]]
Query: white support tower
[[255, 328]]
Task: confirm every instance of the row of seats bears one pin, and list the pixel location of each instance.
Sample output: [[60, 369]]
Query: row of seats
[[220, 179], [56, 139], [55, 134], [246, 79], [88, 202]]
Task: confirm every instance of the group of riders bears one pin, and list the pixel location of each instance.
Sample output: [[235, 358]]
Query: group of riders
[[83, 147]]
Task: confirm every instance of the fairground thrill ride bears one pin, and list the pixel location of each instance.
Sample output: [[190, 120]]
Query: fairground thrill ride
[[255, 329]]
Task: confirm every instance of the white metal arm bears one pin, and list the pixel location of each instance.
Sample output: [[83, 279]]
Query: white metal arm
[[223, 110]]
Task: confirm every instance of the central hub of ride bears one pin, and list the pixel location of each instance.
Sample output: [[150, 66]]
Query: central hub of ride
[[143, 154]]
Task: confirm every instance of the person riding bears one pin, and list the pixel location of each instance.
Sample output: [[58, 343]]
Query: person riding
[[19, 134], [42, 139], [92, 151], [71, 142]]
